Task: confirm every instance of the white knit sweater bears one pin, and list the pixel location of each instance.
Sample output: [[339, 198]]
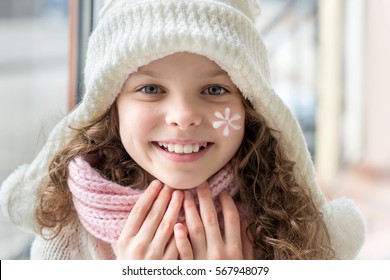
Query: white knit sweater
[[73, 243]]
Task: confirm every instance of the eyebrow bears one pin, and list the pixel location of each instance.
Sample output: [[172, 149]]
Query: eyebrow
[[215, 73], [146, 73]]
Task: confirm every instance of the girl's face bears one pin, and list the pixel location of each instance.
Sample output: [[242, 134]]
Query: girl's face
[[181, 119]]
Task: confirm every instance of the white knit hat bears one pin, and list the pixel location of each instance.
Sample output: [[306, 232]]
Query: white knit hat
[[132, 33]]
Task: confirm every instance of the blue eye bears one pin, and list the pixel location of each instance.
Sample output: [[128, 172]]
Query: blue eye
[[151, 89], [215, 90]]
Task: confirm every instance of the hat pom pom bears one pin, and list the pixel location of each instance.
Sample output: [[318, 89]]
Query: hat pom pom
[[20, 209], [346, 227]]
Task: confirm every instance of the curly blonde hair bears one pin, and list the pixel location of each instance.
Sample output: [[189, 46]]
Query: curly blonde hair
[[284, 221]]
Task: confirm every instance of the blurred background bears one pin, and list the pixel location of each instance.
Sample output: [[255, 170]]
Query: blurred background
[[329, 61]]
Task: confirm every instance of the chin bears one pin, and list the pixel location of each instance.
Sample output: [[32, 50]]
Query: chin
[[182, 183]]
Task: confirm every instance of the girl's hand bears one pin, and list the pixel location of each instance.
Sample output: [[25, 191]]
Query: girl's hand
[[205, 238], [148, 232]]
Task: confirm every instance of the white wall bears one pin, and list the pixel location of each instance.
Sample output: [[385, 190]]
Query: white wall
[[377, 90]]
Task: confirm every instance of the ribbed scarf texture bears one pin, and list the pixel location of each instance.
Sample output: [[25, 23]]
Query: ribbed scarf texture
[[104, 206]]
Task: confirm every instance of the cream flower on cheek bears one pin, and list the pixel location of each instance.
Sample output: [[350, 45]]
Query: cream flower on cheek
[[226, 121]]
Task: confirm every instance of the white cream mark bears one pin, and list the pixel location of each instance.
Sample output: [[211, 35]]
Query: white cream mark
[[226, 121]]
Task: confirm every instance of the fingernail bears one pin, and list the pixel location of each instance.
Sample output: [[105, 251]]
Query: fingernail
[[224, 193], [187, 195], [155, 183], [177, 194]]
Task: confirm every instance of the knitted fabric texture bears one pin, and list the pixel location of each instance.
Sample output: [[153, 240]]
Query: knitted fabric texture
[[73, 243], [103, 206]]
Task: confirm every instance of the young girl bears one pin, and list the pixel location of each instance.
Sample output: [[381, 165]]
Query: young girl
[[179, 150]]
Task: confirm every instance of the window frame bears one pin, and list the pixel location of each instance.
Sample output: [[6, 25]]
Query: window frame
[[83, 17]]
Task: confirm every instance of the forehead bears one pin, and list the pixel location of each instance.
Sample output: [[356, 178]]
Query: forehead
[[183, 62]]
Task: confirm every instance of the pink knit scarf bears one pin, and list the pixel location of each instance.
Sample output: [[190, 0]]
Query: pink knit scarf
[[104, 206]]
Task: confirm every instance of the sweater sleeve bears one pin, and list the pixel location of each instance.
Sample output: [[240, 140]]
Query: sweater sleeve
[[72, 243]]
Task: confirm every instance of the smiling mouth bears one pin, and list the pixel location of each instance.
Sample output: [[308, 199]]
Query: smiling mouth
[[183, 148]]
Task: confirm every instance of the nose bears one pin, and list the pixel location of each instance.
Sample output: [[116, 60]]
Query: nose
[[184, 113]]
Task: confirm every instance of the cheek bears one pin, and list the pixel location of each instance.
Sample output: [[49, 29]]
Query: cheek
[[229, 121], [133, 124]]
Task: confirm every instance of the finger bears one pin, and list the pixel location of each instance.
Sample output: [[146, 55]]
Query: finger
[[171, 252], [183, 244], [156, 213], [141, 209], [231, 218], [194, 226], [247, 247], [209, 216], [165, 228]]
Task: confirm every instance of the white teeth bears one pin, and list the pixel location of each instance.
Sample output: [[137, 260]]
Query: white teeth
[[187, 149], [171, 147], [179, 149], [182, 148], [196, 148]]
